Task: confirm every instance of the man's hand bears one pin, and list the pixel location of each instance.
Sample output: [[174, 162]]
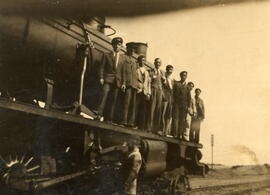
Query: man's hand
[[123, 87], [101, 81], [148, 97]]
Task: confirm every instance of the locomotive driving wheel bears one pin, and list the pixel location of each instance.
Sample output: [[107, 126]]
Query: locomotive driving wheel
[[178, 186], [14, 170]]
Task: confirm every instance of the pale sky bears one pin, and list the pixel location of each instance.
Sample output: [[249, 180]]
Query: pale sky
[[225, 50]]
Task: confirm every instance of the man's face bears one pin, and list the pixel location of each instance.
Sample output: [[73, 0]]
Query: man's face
[[117, 46], [141, 62], [157, 63], [130, 50], [169, 71], [197, 93], [190, 87], [183, 76]]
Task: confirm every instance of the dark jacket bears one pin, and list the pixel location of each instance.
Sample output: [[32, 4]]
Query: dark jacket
[[131, 79], [182, 96], [157, 79], [109, 73]]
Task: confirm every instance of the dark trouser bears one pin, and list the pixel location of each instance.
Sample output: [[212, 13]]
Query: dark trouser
[[167, 117], [141, 110], [194, 134], [155, 110], [107, 87], [129, 106], [179, 121]]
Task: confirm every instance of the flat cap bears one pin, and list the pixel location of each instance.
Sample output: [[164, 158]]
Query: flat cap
[[169, 67], [117, 40], [131, 45], [183, 72]]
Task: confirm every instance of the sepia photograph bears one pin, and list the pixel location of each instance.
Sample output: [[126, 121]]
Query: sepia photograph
[[134, 97]]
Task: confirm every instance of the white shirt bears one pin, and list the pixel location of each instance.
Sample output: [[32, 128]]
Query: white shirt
[[116, 56]]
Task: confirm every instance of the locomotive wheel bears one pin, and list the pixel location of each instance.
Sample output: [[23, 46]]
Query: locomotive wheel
[[177, 186]]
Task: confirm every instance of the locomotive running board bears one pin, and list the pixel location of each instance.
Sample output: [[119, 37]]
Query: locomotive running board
[[31, 109]]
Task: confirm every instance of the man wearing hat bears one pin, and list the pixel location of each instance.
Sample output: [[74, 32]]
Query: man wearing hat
[[182, 102], [168, 100], [112, 77], [129, 107]]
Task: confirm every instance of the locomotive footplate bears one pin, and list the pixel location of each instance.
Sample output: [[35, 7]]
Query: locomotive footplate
[[55, 114]]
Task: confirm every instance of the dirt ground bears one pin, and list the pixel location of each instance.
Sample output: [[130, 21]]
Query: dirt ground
[[222, 176]]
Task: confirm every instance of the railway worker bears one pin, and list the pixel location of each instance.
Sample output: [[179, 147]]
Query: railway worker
[[182, 99], [130, 169], [168, 101], [154, 120], [191, 112], [131, 83], [143, 94], [197, 119], [112, 77]]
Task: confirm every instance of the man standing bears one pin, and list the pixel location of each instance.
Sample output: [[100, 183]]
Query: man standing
[[191, 112], [196, 120], [112, 77], [143, 94], [168, 101], [156, 97], [130, 169], [182, 99], [131, 83]]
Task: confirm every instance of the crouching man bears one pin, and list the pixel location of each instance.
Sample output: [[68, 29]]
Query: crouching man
[[130, 169]]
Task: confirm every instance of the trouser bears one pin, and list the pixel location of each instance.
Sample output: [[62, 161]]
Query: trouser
[[129, 106], [188, 126], [167, 117], [179, 122], [107, 87], [155, 110], [141, 110], [195, 130]]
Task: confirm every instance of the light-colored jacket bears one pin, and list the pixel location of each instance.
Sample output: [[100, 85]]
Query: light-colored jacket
[[144, 81], [192, 110]]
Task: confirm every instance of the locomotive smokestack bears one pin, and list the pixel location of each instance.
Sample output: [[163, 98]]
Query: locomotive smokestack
[[139, 48]]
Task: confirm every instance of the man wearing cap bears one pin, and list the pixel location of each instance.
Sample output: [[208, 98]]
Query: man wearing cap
[[112, 77], [130, 82], [197, 119], [154, 121], [143, 94], [168, 100], [182, 99]]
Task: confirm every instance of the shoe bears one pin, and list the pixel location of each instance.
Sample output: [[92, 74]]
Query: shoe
[[134, 127], [129, 125], [122, 124], [109, 122], [184, 139], [160, 133]]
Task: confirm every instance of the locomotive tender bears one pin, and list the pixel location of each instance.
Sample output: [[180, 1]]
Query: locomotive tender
[[46, 65]]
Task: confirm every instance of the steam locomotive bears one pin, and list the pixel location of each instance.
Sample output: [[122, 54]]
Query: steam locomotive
[[46, 65]]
